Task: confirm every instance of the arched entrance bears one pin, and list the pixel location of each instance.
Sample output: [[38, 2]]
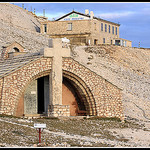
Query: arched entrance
[[85, 102], [75, 93], [72, 97]]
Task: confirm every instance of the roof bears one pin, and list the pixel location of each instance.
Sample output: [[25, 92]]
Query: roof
[[11, 43], [11, 64], [85, 16]]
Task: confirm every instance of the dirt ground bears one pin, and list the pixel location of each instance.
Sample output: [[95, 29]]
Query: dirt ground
[[74, 132]]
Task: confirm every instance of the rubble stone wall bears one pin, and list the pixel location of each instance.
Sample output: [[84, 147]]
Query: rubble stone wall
[[16, 82], [107, 97]]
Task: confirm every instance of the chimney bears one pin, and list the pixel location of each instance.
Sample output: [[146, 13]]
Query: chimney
[[91, 14], [86, 11]]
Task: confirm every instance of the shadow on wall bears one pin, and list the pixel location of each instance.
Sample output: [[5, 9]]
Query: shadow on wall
[[36, 27]]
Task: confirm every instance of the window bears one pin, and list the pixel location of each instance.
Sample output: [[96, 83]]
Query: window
[[16, 49], [105, 27], [112, 29], [103, 40], [116, 30], [69, 26], [109, 28], [45, 27], [101, 26], [95, 41]]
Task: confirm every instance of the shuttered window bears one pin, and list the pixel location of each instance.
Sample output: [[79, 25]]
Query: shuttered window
[[101, 26], [69, 26], [45, 27], [105, 27], [112, 29], [116, 30]]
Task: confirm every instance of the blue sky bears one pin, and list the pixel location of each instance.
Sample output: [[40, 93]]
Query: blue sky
[[134, 17]]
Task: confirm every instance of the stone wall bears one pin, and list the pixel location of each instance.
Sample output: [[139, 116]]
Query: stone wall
[[16, 82], [1, 86], [92, 28], [61, 27], [96, 32], [107, 97], [10, 48], [59, 110]]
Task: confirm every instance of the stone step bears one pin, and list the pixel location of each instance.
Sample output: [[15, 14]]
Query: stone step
[[32, 115]]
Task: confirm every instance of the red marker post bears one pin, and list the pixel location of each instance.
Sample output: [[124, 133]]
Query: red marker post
[[39, 127]]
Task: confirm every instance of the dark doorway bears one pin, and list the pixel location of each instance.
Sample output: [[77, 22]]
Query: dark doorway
[[117, 42], [40, 95], [95, 41], [43, 95]]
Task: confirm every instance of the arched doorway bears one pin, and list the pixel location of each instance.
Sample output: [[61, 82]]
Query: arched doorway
[[82, 94], [75, 93], [72, 97]]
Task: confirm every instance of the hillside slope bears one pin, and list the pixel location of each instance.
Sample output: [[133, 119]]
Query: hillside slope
[[127, 68], [19, 17], [21, 29]]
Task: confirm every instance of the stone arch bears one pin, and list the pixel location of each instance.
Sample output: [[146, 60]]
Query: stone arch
[[12, 47], [83, 90], [78, 84], [39, 75]]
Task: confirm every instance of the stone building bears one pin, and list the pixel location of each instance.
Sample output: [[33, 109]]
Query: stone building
[[84, 29], [52, 83]]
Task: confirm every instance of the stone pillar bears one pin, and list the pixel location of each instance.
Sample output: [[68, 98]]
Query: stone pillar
[[46, 94], [55, 80]]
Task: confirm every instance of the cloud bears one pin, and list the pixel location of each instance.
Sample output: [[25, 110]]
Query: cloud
[[114, 15]]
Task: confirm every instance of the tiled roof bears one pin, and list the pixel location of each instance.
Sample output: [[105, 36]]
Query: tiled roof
[[11, 64]]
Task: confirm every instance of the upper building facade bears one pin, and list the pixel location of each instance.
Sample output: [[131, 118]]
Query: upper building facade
[[84, 29]]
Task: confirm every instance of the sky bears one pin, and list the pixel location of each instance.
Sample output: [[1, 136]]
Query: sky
[[133, 17]]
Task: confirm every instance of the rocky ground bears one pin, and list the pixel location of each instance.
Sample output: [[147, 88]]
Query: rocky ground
[[74, 132], [127, 68], [18, 25]]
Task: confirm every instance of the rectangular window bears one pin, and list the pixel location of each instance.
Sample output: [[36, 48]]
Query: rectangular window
[[69, 26], [45, 27], [104, 40], [105, 27], [112, 29], [109, 28], [101, 26], [116, 30]]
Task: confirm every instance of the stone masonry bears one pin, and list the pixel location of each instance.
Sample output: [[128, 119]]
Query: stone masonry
[[104, 98]]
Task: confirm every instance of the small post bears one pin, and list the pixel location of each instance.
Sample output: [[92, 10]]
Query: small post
[[139, 44], [39, 127], [39, 135]]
